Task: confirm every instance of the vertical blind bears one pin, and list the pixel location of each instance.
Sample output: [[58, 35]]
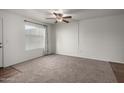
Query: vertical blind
[[36, 36]]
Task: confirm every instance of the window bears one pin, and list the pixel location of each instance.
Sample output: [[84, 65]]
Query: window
[[35, 36]]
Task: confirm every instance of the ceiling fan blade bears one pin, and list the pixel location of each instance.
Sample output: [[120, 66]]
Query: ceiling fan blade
[[50, 18], [65, 21], [56, 21], [55, 13], [67, 17]]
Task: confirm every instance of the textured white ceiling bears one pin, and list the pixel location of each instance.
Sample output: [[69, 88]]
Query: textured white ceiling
[[77, 14]]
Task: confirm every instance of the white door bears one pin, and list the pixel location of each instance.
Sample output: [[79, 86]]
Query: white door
[[1, 43]]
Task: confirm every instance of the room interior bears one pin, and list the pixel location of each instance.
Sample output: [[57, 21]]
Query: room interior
[[61, 46]]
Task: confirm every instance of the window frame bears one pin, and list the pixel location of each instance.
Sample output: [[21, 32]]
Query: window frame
[[45, 49]]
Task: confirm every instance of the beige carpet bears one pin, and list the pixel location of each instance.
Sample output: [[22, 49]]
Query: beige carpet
[[62, 69]]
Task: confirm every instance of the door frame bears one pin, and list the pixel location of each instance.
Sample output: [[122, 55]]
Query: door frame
[[1, 18]]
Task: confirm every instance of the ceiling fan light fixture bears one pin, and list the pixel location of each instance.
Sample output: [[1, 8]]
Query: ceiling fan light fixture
[[59, 19]]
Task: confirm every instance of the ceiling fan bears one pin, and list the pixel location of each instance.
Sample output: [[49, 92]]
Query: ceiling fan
[[60, 18]]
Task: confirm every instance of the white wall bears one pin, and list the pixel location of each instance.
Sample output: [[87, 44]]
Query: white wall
[[14, 40], [66, 39], [51, 39], [99, 38]]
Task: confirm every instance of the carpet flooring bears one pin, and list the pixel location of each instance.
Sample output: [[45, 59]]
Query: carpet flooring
[[60, 69]]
